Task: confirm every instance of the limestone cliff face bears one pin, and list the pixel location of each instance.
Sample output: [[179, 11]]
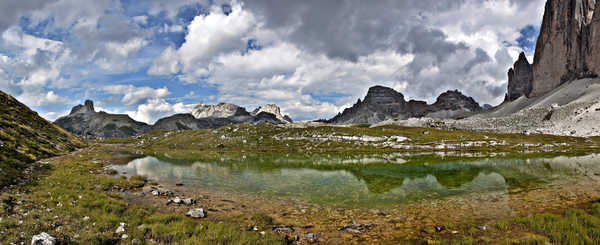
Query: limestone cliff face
[[220, 110], [560, 53], [382, 103], [593, 40], [520, 79], [272, 109]]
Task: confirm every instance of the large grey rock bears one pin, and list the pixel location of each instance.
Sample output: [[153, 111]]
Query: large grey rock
[[221, 110], [84, 121], [561, 48], [196, 213], [593, 43], [189, 122], [382, 103], [272, 109], [520, 79], [43, 239]]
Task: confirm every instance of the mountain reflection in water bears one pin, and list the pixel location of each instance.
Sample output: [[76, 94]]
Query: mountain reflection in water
[[363, 182]]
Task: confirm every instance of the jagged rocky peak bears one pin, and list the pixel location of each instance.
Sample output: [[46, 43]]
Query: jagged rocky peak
[[562, 47], [520, 79], [221, 110], [383, 95], [455, 100], [382, 103], [273, 109], [87, 107]]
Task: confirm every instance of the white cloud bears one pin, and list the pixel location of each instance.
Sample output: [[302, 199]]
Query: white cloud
[[136, 95], [41, 98], [207, 37], [157, 108], [141, 19]]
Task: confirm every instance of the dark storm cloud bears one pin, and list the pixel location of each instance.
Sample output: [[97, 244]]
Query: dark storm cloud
[[351, 28], [10, 10], [480, 57], [431, 41]]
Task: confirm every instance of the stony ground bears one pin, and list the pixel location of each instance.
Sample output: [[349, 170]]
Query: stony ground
[[573, 109]]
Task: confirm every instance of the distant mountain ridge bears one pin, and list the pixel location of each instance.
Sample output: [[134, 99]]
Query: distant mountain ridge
[[383, 103], [84, 121]]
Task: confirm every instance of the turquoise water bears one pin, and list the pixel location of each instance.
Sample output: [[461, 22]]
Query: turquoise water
[[362, 180]]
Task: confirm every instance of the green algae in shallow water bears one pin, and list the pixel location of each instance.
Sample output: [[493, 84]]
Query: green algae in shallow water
[[371, 180]]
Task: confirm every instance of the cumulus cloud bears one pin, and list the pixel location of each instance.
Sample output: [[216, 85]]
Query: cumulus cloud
[[137, 95], [321, 57], [207, 37], [157, 108], [311, 57]]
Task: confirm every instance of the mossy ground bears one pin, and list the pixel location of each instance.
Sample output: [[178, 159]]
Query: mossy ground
[[237, 140], [68, 189], [63, 192]]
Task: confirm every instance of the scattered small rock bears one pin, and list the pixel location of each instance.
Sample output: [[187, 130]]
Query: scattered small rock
[[281, 229], [355, 231], [181, 201], [356, 228], [196, 213], [124, 236], [43, 239], [121, 228], [311, 237]]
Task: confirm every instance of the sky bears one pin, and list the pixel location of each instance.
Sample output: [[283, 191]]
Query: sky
[[313, 58]]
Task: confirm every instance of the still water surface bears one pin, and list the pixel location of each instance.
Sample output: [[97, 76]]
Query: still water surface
[[363, 180]]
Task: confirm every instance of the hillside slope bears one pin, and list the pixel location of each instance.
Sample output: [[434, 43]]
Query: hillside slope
[[25, 137], [571, 109]]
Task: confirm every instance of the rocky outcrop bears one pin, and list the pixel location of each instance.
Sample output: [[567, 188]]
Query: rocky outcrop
[[214, 116], [187, 121], [454, 100], [84, 121], [221, 110], [520, 79], [382, 103], [273, 109], [562, 48]]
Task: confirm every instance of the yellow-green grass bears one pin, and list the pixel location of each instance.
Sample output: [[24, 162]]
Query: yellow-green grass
[[73, 187], [25, 137], [238, 140]]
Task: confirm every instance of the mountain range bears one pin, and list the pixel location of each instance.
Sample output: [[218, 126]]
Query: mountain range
[[85, 121], [567, 50]]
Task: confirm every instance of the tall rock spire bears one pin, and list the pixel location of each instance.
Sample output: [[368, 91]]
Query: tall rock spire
[[520, 79], [593, 42], [561, 46]]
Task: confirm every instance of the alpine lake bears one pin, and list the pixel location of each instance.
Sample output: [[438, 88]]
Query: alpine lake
[[365, 185]]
